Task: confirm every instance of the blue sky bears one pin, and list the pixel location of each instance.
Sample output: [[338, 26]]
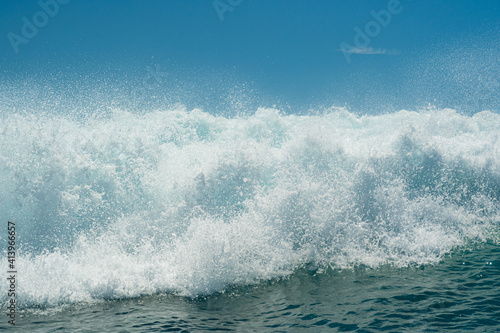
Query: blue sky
[[236, 55]]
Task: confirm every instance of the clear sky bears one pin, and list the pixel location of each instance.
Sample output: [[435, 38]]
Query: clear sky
[[235, 55]]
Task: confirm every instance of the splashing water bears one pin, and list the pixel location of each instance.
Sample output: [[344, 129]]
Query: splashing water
[[190, 203]]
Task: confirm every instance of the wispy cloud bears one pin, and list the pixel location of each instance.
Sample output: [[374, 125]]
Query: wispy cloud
[[370, 50]]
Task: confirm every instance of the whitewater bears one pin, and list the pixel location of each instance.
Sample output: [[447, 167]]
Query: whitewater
[[186, 203]]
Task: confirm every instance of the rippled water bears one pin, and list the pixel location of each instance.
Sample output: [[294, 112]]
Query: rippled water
[[187, 221], [462, 293]]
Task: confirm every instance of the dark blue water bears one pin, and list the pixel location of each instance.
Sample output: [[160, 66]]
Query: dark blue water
[[461, 293]]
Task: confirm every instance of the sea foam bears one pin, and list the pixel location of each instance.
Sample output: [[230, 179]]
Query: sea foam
[[191, 203]]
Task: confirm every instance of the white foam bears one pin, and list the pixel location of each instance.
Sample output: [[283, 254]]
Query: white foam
[[185, 202]]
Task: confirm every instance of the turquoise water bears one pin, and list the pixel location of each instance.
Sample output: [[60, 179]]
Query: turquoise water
[[461, 293], [182, 220]]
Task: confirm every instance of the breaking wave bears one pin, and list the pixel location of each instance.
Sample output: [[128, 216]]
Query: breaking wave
[[191, 203]]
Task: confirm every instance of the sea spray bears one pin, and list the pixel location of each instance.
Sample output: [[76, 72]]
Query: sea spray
[[190, 203]]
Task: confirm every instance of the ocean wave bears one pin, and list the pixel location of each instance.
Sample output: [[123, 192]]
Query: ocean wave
[[191, 203]]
